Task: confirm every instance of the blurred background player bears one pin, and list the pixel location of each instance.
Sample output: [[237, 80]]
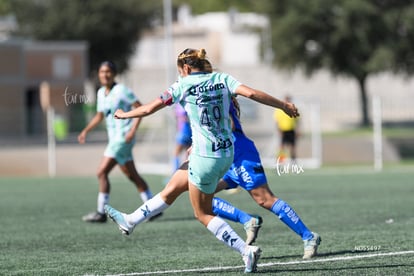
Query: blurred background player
[[183, 137], [287, 128], [121, 138]]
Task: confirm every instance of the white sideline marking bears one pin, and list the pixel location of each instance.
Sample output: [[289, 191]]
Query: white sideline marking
[[222, 268]]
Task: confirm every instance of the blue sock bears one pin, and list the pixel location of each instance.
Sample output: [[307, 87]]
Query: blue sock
[[291, 219], [225, 210]]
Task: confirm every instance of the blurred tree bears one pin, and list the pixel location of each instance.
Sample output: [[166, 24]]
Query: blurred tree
[[4, 7], [111, 28], [355, 38], [203, 6]]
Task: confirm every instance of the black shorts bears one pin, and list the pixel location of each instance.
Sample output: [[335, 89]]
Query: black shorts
[[289, 137]]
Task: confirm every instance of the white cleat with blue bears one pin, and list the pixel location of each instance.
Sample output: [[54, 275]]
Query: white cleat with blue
[[250, 258], [311, 246], [119, 219]]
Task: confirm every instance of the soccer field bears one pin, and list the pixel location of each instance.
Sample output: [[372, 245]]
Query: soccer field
[[366, 221]]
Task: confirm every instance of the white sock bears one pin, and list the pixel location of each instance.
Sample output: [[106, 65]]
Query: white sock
[[103, 198], [150, 208], [226, 234], [146, 195]]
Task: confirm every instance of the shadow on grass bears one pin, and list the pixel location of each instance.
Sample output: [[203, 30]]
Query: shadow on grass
[[299, 257]]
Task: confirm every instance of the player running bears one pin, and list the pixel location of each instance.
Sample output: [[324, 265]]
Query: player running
[[121, 138], [207, 98], [246, 172]]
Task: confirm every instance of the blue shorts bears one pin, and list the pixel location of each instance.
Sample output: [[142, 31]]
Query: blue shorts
[[120, 151], [205, 172], [184, 137], [247, 170]]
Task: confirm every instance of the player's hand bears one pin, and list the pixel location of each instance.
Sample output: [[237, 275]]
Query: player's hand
[[119, 114], [291, 110], [82, 137]]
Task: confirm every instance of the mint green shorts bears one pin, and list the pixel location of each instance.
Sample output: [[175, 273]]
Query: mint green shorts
[[205, 172], [120, 151]]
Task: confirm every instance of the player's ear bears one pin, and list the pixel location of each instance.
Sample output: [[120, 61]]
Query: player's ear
[[187, 69]]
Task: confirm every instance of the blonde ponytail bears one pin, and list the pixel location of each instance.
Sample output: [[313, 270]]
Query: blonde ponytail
[[201, 54], [195, 58]]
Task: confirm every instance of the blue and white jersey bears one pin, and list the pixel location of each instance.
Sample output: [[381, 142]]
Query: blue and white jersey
[[118, 97], [247, 170], [242, 144], [206, 98]]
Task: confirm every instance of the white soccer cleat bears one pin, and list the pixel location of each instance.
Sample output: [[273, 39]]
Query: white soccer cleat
[[119, 218], [252, 229], [94, 217], [311, 246], [250, 258]]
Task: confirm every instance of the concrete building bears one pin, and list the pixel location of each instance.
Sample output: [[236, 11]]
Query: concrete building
[[234, 43], [24, 65], [237, 43]]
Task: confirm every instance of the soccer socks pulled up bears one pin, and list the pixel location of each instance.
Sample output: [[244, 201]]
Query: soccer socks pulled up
[[226, 234], [103, 198], [291, 219], [150, 208], [225, 210]]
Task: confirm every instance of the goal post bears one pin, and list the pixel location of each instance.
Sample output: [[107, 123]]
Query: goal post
[[377, 132]]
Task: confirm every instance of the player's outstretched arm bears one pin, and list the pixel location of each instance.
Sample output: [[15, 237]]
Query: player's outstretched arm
[[91, 125], [141, 111], [264, 98]]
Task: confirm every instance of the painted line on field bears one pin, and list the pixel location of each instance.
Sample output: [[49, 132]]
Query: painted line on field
[[223, 268], [344, 258]]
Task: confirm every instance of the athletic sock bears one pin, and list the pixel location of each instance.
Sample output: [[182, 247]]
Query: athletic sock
[[150, 208], [291, 219], [146, 195], [225, 210], [226, 234], [103, 198]]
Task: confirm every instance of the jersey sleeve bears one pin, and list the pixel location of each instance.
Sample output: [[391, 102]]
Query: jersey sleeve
[[231, 82], [99, 103]]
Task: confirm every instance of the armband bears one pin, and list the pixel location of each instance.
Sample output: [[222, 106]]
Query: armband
[[166, 98]]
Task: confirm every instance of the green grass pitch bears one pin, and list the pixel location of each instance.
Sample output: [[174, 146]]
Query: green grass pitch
[[366, 221]]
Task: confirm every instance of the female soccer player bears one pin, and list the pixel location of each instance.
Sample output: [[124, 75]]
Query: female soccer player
[[121, 135], [206, 97], [246, 172]]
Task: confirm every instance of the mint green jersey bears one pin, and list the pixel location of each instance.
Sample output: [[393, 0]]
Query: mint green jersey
[[119, 97], [206, 98]]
